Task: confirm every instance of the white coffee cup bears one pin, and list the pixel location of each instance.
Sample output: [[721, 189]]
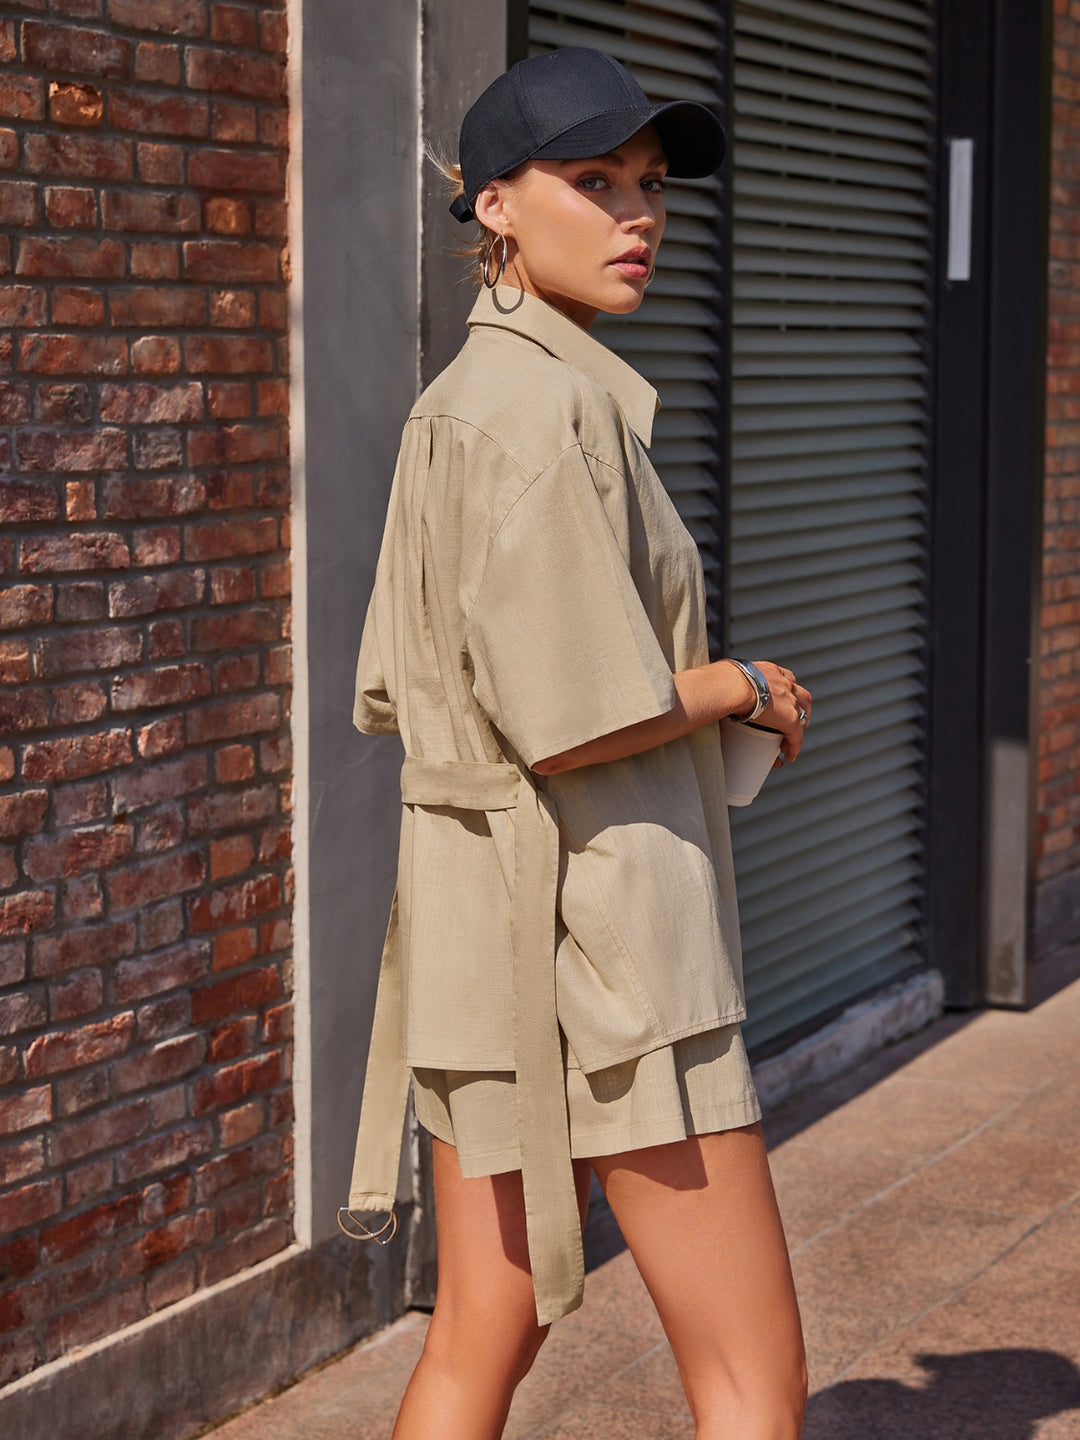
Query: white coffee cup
[[749, 753]]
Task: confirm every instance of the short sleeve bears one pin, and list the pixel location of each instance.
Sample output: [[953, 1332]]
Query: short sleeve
[[561, 646]]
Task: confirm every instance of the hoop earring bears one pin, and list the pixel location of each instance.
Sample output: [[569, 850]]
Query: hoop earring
[[502, 263], [652, 277]]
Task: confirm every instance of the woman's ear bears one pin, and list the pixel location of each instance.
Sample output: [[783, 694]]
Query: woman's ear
[[489, 207]]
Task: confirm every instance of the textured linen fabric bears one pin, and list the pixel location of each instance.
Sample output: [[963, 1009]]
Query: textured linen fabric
[[537, 589], [692, 1087]]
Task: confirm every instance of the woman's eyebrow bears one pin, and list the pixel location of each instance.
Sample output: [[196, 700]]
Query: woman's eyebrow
[[612, 157]]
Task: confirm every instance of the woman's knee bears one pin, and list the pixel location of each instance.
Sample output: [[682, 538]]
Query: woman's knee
[[504, 1347]]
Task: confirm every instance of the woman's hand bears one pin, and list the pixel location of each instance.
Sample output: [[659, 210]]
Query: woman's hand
[[787, 698]]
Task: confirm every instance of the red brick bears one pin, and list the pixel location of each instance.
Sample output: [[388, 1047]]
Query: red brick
[[241, 1124], [170, 875], [235, 717], [127, 499], [78, 704], [27, 1304], [146, 594], [14, 404], [158, 64], [23, 710], [222, 1174], [84, 1182], [90, 945], [158, 114], [170, 685], [67, 49], [71, 256], [104, 1130], [55, 856], [19, 1258], [29, 1204], [63, 402], [236, 993], [66, 652], [18, 202], [105, 1223], [144, 403], [86, 451], [158, 1247], [230, 262], [22, 97], [28, 500], [230, 490], [82, 1045], [21, 1161], [236, 122], [234, 25], [8, 44], [232, 1039], [155, 260], [165, 1152], [162, 1018], [87, 550], [102, 1316], [228, 399], [22, 305], [74, 104], [23, 1010], [278, 1024], [9, 157], [25, 1111], [75, 305], [234, 762], [159, 306], [229, 857], [75, 995], [243, 1250], [160, 164], [167, 17], [234, 444], [27, 911], [92, 157], [70, 757], [225, 216], [273, 31], [145, 975], [232, 74], [156, 545], [219, 540], [232, 1082], [23, 813], [235, 170], [80, 600], [167, 1060], [149, 210], [155, 355], [235, 629], [229, 809]]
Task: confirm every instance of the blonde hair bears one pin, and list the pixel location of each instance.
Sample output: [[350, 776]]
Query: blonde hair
[[476, 248]]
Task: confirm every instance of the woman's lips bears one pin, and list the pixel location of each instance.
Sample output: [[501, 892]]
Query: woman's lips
[[634, 264]]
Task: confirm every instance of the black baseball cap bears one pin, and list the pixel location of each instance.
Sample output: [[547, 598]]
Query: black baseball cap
[[567, 105]]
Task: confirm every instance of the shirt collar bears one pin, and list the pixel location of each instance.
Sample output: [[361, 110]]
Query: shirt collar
[[510, 309]]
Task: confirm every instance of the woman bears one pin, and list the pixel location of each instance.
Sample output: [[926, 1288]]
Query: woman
[[564, 989]]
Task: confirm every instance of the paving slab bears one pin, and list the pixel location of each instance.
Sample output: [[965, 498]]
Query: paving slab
[[932, 1205]]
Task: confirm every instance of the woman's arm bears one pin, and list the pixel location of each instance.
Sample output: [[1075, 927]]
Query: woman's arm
[[703, 696]]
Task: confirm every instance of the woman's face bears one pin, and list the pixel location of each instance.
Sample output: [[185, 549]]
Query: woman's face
[[582, 234]]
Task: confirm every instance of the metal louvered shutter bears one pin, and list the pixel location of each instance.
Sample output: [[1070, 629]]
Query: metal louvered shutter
[[832, 268], [676, 50]]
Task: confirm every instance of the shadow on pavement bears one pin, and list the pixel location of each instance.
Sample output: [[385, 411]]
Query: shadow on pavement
[[982, 1395]]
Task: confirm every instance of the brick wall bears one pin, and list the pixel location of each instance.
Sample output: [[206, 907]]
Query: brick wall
[[145, 767], [1059, 666]]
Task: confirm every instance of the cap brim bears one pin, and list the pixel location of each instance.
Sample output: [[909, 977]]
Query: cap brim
[[692, 137]]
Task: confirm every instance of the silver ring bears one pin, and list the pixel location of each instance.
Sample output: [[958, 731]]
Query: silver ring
[[363, 1232], [804, 719]]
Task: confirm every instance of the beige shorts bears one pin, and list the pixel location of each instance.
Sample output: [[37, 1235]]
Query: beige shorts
[[691, 1087]]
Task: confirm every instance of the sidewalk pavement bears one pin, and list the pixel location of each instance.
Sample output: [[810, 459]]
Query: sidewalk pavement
[[931, 1205]]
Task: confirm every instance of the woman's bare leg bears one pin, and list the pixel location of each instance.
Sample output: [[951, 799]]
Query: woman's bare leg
[[701, 1221], [483, 1335]]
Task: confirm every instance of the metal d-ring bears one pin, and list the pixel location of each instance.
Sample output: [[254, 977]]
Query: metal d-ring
[[364, 1232]]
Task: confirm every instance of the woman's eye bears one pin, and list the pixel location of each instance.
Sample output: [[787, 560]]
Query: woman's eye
[[592, 182], [655, 184]]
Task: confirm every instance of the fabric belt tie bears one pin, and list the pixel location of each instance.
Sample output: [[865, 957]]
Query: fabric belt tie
[[551, 1212]]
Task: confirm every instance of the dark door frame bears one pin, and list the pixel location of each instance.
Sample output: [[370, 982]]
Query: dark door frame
[[986, 505]]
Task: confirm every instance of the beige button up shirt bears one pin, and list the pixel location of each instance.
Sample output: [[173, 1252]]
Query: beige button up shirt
[[537, 589]]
